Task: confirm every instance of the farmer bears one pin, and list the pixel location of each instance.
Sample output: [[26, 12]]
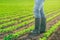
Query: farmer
[[40, 19]]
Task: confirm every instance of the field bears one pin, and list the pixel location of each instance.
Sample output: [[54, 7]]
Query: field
[[17, 20]]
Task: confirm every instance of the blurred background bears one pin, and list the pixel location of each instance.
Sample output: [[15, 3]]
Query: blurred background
[[17, 18]]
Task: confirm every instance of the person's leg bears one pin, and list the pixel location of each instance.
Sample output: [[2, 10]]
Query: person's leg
[[43, 21], [38, 12], [37, 8]]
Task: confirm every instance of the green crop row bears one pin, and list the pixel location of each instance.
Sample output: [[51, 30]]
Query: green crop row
[[13, 22], [15, 16], [10, 21], [19, 33], [18, 15], [25, 30], [7, 24], [47, 20], [53, 12], [50, 31], [53, 17], [12, 36], [11, 28]]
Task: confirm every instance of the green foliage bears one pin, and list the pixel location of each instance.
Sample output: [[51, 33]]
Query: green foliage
[[9, 37]]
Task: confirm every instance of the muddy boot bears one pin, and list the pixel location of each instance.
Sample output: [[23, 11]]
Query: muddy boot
[[36, 31]]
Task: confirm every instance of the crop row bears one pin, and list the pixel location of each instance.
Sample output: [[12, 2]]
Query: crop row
[[17, 34], [50, 31], [23, 23], [14, 27], [20, 16], [12, 22]]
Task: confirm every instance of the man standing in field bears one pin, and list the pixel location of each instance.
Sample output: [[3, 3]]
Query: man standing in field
[[40, 20]]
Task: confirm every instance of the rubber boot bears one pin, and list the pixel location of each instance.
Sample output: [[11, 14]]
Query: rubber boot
[[36, 31], [43, 21], [43, 25]]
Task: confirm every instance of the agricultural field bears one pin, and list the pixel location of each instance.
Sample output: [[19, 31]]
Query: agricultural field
[[17, 20]]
